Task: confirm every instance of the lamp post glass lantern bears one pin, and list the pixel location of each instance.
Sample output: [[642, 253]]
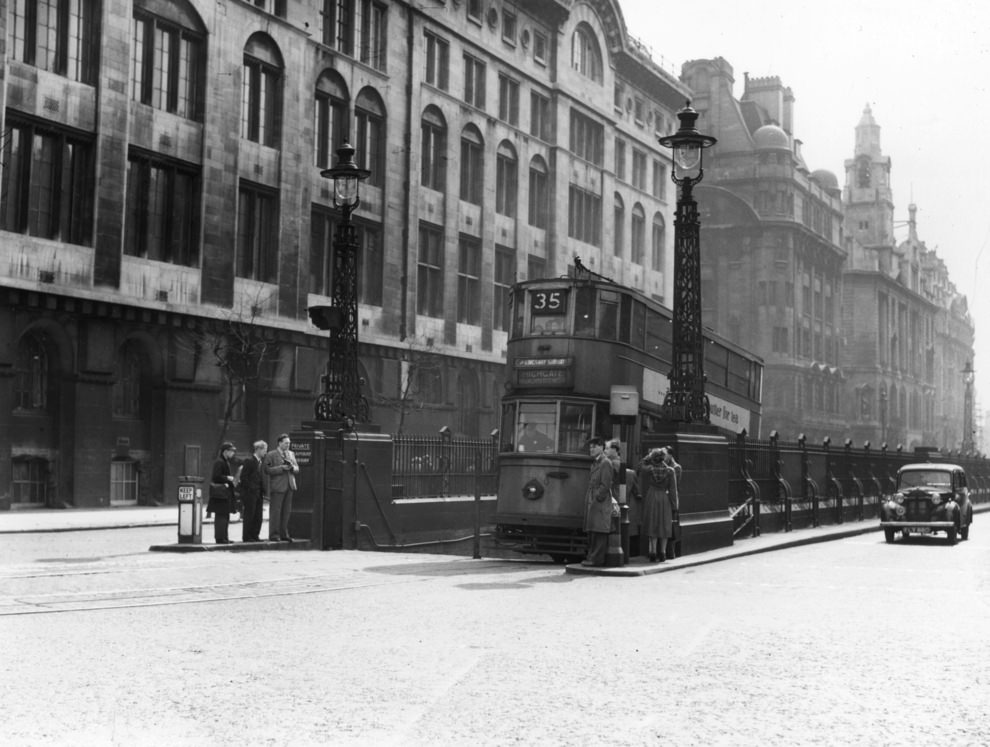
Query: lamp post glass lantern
[[686, 401], [340, 399]]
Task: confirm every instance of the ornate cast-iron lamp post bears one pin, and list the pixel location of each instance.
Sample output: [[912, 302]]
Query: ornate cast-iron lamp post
[[686, 401], [341, 398], [969, 375]]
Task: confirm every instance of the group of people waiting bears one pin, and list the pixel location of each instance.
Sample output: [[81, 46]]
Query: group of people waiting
[[654, 482], [242, 486]]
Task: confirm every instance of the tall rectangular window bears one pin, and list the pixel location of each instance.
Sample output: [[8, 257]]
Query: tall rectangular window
[[472, 168], [474, 81], [167, 66], [370, 144], [620, 159], [659, 180], [508, 99], [162, 216], [587, 138], [584, 216], [637, 236], [539, 196], [638, 169], [60, 36], [437, 61], [322, 227], [123, 482], [371, 262], [505, 276], [257, 233], [48, 183], [506, 184], [469, 280], [337, 17], [433, 168], [429, 271], [329, 128], [370, 259], [261, 117], [539, 116], [373, 34]]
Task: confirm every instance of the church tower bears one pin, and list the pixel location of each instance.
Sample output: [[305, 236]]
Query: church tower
[[868, 198]]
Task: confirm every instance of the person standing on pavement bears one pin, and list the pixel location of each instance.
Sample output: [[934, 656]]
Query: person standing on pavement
[[281, 468], [658, 475], [598, 504], [253, 490], [223, 499]]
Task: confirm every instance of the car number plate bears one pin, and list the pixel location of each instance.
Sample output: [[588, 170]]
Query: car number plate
[[920, 530]]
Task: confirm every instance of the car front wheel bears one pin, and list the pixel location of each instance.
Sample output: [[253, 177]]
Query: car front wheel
[[888, 534]]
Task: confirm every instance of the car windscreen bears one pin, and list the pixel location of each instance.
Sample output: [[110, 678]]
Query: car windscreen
[[925, 478]]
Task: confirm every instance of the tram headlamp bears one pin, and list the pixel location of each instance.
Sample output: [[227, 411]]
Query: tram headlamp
[[532, 490]]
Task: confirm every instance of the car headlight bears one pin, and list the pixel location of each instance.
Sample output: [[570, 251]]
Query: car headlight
[[901, 510], [936, 499], [898, 498]]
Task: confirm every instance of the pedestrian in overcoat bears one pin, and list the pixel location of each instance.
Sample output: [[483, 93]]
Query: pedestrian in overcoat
[[253, 489], [598, 504], [223, 500], [281, 467]]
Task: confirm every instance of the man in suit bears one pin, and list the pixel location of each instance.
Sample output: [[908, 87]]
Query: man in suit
[[253, 490], [598, 504], [281, 468]]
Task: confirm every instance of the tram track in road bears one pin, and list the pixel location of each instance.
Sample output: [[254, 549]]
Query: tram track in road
[[143, 594]]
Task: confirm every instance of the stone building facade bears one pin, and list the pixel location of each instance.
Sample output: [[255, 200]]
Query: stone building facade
[[908, 331], [772, 248], [162, 202]]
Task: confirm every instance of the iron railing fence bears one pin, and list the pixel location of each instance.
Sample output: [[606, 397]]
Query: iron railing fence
[[439, 466], [777, 486]]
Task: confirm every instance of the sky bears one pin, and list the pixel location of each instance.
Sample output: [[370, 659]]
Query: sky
[[924, 69]]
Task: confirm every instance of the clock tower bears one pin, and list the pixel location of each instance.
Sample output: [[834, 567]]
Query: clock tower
[[868, 199]]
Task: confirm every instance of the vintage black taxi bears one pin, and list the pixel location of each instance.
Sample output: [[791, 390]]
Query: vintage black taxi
[[930, 497]]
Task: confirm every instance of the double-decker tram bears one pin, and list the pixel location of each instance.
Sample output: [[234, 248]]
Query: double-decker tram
[[587, 357]]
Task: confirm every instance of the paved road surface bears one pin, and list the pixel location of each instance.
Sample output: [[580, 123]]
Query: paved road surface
[[850, 642]]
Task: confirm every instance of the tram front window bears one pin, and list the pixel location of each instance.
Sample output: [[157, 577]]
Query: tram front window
[[575, 427], [536, 428]]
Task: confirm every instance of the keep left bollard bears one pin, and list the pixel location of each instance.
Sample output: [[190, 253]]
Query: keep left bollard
[[190, 510]]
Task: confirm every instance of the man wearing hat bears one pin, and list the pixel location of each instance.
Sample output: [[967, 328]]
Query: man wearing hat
[[222, 498]]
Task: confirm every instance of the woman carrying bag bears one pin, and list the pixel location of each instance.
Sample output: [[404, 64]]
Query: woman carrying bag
[[223, 499]]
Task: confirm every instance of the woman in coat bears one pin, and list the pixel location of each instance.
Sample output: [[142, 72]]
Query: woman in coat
[[658, 475], [222, 499]]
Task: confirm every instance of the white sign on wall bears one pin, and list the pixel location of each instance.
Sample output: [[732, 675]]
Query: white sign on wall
[[724, 414]]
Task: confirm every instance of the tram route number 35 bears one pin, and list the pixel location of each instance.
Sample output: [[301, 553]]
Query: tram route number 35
[[548, 302]]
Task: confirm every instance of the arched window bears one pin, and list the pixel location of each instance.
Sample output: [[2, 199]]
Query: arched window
[[369, 142], [168, 59], [330, 122], [619, 225], [539, 193], [506, 180], [472, 165], [261, 94], [127, 382], [31, 375], [659, 243], [586, 57], [433, 167], [638, 234]]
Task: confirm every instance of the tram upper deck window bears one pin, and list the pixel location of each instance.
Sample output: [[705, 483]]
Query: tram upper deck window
[[659, 335], [584, 311], [517, 302], [548, 311], [608, 315]]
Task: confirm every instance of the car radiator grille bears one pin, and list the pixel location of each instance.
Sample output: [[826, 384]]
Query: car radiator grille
[[917, 510]]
